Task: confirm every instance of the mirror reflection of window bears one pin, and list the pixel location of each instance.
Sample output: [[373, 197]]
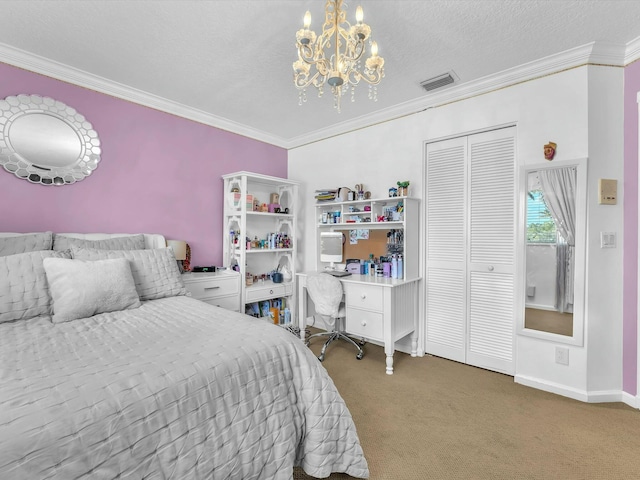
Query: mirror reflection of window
[[550, 234]]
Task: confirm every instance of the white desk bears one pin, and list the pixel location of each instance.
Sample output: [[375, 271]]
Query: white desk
[[380, 309]]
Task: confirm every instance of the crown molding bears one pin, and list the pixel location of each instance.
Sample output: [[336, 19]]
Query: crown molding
[[604, 53], [50, 68], [592, 53], [632, 52]]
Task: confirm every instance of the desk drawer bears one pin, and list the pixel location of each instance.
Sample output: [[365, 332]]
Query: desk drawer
[[363, 296], [362, 323], [213, 287]]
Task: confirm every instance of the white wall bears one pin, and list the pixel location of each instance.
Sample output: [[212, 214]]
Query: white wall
[[565, 108], [604, 299]]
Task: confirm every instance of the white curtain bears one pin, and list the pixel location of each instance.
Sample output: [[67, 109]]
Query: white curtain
[[559, 194]]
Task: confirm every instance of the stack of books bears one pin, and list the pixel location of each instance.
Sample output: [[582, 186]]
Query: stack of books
[[326, 195]]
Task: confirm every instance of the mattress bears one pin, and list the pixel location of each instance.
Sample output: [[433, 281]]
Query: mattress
[[175, 389]]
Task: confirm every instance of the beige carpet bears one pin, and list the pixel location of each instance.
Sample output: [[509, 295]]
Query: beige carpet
[[437, 419]]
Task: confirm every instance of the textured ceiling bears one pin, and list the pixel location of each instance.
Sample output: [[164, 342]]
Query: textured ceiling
[[232, 59]]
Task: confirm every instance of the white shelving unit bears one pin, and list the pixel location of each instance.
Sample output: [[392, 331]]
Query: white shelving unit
[[376, 214], [241, 222]]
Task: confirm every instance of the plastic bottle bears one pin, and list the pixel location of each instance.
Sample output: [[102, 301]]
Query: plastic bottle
[[400, 274], [394, 266]]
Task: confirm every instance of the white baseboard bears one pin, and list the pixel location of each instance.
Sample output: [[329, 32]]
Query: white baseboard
[[551, 387], [600, 396], [631, 400], [605, 396]]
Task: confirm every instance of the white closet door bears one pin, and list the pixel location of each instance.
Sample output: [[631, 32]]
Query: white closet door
[[446, 248], [492, 224]]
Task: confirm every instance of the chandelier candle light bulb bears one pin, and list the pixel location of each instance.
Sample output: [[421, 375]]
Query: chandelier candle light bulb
[[333, 58]]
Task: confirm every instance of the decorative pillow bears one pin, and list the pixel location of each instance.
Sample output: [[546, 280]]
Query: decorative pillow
[[24, 292], [130, 242], [27, 242], [155, 271], [82, 289]]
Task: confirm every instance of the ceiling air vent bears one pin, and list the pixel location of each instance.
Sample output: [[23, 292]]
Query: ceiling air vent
[[437, 82]]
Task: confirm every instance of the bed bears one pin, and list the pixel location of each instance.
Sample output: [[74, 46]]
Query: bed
[[152, 384]]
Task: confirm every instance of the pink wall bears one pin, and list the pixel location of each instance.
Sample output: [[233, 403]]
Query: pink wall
[[158, 174], [630, 274]]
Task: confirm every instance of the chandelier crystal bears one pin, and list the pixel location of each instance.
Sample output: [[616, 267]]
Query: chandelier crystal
[[335, 57]]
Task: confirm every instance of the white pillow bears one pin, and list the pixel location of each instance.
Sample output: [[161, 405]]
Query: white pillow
[[155, 271], [129, 242], [27, 242], [24, 292], [82, 289]]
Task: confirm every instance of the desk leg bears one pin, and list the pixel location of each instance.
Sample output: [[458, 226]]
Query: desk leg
[[302, 306], [416, 310], [389, 361]]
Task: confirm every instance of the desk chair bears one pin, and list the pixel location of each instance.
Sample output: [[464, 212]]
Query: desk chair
[[326, 293]]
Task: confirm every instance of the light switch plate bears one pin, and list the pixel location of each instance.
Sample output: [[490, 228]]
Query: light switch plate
[[607, 191], [608, 239]]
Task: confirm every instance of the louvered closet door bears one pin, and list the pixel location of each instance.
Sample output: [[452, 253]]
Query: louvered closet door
[[446, 300], [492, 224]]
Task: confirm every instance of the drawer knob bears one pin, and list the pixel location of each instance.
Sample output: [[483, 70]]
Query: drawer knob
[[363, 323], [491, 268], [270, 291], [363, 296]]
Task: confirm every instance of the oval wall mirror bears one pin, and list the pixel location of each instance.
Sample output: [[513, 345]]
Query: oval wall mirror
[[44, 141]]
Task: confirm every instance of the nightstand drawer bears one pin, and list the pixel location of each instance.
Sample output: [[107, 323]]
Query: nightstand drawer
[[363, 296], [362, 323], [212, 286], [228, 303]]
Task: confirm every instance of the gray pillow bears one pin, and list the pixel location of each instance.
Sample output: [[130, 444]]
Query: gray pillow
[[27, 242], [24, 292], [155, 271], [129, 242], [82, 289]]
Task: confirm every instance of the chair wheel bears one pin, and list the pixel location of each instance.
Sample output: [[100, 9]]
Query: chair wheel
[[321, 357], [359, 356]]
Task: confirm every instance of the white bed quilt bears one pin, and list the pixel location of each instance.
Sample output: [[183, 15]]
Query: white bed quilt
[[176, 389]]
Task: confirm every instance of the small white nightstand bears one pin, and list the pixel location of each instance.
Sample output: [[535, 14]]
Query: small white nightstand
[[221, 288]]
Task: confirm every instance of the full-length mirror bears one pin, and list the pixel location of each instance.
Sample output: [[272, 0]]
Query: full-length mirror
[[554, 239], [45, 141]]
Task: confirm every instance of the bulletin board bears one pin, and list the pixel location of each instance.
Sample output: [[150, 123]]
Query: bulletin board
[[376, 244]]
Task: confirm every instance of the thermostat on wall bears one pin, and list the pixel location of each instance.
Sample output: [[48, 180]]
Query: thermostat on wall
[[607, 191]]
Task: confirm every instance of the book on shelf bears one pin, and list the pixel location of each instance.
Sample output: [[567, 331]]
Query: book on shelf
[[326, 195]]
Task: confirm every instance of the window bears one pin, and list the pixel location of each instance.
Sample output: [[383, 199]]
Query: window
[[540, 226]]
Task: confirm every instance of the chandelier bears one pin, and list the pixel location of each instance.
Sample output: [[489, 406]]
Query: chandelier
[[335, 57]]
